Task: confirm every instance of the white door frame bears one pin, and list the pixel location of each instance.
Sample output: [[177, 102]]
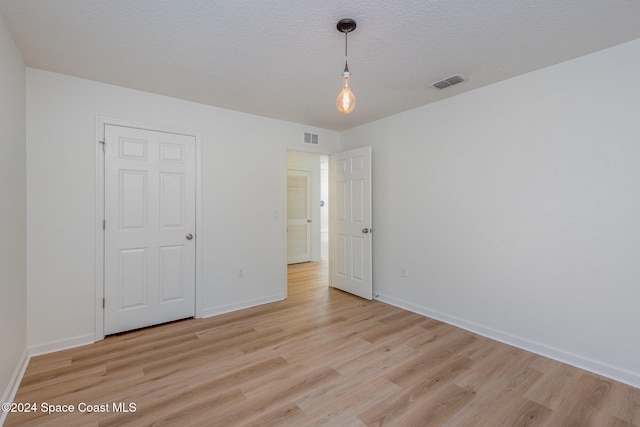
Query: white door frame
[[100, 210]]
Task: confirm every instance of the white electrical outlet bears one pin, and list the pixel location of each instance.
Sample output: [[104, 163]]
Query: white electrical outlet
[[403, 271], [240, 273]]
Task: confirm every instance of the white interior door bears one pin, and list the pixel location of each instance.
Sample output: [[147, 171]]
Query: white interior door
[[298, 216], [149, 228], [350, 222]]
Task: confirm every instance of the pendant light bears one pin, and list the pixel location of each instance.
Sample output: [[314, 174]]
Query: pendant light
[[346, 101]]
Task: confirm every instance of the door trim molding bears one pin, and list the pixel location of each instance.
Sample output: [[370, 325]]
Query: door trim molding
[[101, 122]]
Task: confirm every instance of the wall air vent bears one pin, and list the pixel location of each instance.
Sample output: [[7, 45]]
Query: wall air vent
[[311, 138], [449, 81]]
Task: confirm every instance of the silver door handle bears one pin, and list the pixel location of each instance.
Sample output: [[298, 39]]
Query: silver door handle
[[189, 236], [308, 220], [365, 230]]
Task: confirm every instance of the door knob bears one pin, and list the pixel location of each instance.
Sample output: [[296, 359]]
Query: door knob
[[189, 236], [365, 230]]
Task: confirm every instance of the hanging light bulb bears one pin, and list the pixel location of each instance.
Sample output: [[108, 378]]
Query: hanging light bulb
[[346, 101]]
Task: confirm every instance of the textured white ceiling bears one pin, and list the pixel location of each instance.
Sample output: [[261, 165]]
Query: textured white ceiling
[[284, 58]]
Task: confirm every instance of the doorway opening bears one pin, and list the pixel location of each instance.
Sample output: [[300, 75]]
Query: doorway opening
[[308, 210]]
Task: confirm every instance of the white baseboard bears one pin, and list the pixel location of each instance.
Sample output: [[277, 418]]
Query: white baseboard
[[59, 345], [14, 383], [222, 309], [621, 375]]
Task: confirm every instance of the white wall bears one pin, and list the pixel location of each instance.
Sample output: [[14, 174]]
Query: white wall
[[13, 233], [516, 209], [243, 185]]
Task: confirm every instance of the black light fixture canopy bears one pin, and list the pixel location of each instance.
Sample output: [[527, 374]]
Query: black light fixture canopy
[[346, 25]]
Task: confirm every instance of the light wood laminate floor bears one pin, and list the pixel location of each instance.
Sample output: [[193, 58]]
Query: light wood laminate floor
[[320, 358]]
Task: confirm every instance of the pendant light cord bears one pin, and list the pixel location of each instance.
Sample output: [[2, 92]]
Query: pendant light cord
[[346, 45], [346, 26], [346, 56]]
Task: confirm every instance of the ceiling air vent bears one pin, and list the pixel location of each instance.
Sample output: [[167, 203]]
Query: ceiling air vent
[[449, 81], [310, 138]]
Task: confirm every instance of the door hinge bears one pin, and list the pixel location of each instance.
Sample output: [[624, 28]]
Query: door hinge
[[104, 144], [104, 224], [102, 302]]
